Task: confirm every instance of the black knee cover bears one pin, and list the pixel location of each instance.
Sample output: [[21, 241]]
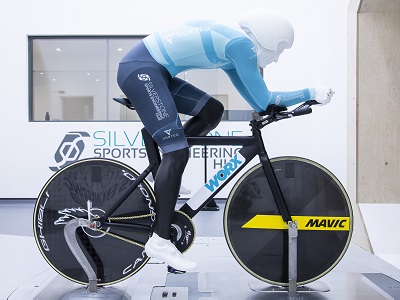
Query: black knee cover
[[206, 120], [212, 112], [175, 162]]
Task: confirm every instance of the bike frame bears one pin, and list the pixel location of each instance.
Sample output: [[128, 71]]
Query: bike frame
[[251, 146], [236, 216]]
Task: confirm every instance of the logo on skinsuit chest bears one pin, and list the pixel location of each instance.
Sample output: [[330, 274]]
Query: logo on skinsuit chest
[[224, 173]]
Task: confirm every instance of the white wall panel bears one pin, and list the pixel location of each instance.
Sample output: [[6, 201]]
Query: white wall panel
[[317, 57]]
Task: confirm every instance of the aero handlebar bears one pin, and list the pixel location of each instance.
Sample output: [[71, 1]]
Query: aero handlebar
[[277, 113]]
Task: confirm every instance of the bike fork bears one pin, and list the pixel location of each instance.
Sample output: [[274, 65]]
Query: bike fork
[[275, 188], [284, 211], [292, 225]]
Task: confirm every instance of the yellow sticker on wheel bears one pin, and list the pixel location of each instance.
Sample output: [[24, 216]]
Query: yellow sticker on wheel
[[303, 222]]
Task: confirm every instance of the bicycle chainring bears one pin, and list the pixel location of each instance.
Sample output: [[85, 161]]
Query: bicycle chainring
[[182, 231]]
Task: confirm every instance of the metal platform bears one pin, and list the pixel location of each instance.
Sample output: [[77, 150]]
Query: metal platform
[[25, 274]]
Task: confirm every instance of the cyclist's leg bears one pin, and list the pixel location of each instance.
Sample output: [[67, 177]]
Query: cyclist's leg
[[206, 120], [206, 111], [166, 189], [166, 185], [147, 88]]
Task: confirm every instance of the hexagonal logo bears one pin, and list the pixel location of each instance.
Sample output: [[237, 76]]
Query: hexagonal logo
[[70, 149]]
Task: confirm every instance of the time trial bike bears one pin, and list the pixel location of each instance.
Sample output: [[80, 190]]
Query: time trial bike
[[262, 205]]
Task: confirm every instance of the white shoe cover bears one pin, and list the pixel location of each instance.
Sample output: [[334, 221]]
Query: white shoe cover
[[165, 251]]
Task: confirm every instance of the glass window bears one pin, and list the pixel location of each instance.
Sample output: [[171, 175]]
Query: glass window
[[74, 79]]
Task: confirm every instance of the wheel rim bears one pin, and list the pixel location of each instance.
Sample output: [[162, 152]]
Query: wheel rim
[[263, 252], [112, 254]]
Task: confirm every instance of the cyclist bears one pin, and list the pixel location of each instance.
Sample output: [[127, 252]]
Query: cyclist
[[147, 76]]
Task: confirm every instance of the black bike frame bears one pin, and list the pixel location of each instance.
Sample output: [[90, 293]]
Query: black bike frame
[[251, 146]]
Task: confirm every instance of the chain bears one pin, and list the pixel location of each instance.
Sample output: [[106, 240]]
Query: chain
[[126, 218], [121, 238], [131, 217]]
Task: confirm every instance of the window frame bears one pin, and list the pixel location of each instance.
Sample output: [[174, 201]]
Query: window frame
[[31, 104], [32, 38]]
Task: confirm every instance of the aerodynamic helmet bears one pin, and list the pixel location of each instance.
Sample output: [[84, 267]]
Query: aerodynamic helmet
[[269, 28]]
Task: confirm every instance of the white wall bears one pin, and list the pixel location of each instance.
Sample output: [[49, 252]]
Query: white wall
[[317, 57]]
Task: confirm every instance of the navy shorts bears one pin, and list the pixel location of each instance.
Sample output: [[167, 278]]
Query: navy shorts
[[158, 98]]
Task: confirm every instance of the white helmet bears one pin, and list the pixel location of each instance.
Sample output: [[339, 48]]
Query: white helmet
[[269, 28]]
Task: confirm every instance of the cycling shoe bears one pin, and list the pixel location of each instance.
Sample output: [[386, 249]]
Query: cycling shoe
[[165, 251]]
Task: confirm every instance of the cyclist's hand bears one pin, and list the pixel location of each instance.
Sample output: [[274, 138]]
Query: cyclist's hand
[[323, 95]]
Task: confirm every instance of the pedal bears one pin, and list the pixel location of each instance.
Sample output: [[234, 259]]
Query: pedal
[[175, 271]]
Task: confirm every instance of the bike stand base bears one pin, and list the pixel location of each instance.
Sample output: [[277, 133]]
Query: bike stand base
[[108, 293], [313, 287]]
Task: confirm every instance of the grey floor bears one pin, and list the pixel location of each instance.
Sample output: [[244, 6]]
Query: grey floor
[[25, 275]]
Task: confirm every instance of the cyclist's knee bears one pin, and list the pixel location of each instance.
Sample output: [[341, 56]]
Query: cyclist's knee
[[182, 154], [216, 107], [177, 159], [206, 120], [212, 112]]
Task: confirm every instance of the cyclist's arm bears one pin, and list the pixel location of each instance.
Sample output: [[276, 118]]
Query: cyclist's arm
[[250, 84], [258, 106]]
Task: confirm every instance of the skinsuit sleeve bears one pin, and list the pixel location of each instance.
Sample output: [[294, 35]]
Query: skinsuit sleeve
[[248, 81]]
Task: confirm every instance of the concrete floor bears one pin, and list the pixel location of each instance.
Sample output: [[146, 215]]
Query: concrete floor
[[24, 274]]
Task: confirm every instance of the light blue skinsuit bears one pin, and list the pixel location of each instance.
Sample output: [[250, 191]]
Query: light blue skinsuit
[[147, 75]]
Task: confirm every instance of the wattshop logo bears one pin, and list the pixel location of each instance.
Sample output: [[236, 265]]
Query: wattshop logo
[[70, 149]]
